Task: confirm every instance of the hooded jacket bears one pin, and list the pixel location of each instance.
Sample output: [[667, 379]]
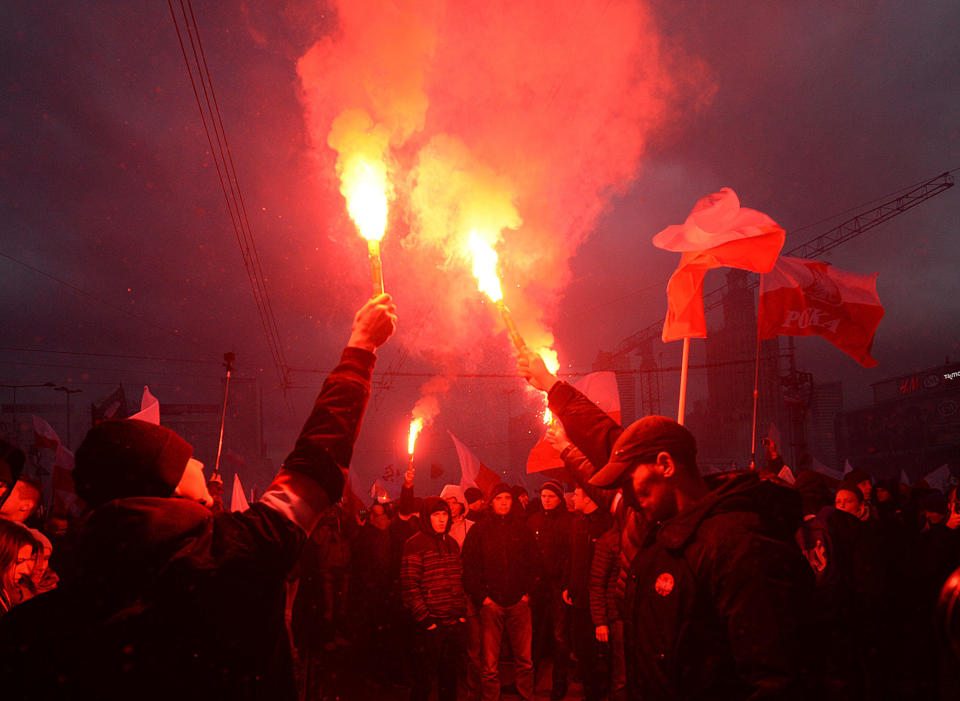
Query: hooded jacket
[[167, 600], [458, 527], [718, 599], [431, 573]]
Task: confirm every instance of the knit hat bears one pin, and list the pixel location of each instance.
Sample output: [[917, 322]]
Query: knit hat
[[814, 494], [499, 488], [553, 486], [472, 494], [642, 441], [857, 476], [129, 458], [848, 486], [518, 490]]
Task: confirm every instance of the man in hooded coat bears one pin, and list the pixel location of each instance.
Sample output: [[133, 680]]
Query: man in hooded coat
[[168, 600], [431, 580]]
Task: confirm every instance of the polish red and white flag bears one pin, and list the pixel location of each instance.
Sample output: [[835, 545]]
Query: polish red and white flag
[[601, 388], [808, 297], [717, 233], [473, 472]]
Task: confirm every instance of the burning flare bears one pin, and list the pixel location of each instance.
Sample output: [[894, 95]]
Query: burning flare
[[415, 427], [485, 267], [552, 362], [485, 270], [362, 149], [364, 185]]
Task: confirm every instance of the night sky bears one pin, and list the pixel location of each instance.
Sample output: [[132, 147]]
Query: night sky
[[116, 238]]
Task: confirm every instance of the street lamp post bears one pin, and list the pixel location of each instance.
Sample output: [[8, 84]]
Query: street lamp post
[[68, 392]]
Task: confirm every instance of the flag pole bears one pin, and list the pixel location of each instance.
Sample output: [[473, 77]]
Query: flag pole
[[756, 383], [228, 359], [684, 367]]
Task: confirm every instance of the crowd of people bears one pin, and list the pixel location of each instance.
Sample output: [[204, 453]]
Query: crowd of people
[[628, 575]]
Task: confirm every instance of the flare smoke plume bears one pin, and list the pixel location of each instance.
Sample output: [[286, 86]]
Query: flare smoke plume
[[515, 119]]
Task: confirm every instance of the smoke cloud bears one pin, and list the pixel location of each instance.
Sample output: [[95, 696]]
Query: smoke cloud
[[517, 120]]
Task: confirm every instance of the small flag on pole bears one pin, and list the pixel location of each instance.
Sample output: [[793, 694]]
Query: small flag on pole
[[238, 500]]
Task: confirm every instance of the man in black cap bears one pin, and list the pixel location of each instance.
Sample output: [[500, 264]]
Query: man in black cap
[[167, 600], [718, 591]]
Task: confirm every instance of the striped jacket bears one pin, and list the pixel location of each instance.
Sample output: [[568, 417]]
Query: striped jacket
[[431, 576]]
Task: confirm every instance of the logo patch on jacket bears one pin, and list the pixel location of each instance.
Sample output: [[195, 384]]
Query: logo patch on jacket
[[664, 584]]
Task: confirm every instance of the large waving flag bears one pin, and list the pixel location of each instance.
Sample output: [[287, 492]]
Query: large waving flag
[[807, 297], [473, 472], [601, 389], [717, 233]]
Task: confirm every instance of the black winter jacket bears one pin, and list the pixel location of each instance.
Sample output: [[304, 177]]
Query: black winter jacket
[[500, 560], [718, 600], [551, 530], [587, 530]]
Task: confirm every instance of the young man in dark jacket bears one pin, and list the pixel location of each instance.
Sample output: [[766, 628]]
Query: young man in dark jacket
[[431, 580], [551, 526], [718, 593], [590, 523], [500, 565], [168, 600]]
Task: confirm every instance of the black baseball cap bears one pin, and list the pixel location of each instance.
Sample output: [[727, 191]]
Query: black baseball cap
[[641, 442]]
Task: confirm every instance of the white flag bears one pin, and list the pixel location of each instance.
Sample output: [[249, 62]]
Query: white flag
[[786, 474], [940, 479], [238, 500], [149, 408]]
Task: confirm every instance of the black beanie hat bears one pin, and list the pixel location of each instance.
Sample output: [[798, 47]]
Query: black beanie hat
[[553, 486], [472, 494], [129, 458], [500, 488]]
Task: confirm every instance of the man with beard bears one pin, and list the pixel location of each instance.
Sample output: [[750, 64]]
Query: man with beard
[[718, 592]]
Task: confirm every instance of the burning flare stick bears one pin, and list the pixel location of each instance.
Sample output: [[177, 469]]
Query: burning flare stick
[[364, 185], [415, 427], [485, 270]]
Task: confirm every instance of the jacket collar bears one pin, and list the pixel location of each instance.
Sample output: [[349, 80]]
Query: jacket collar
[[732, 491]]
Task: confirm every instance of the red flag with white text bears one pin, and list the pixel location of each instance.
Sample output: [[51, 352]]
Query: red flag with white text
[[717, 233], [808, 297]]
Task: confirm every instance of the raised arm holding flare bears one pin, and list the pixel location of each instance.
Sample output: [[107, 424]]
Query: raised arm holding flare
[[165, 599]]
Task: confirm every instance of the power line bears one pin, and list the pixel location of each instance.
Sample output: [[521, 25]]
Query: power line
[[111, 355], [222, 156]]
